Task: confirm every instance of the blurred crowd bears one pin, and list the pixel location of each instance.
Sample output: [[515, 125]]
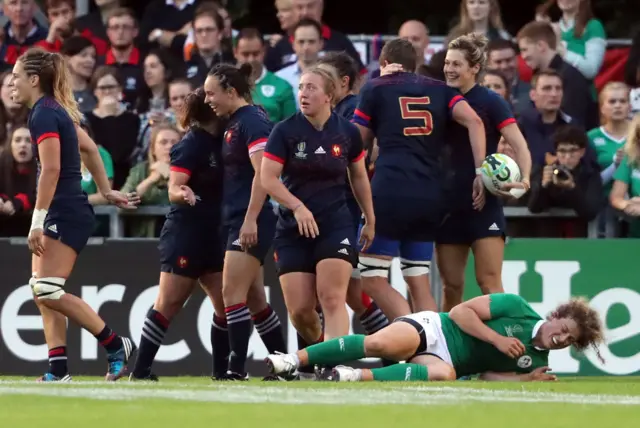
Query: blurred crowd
[[131, 74]]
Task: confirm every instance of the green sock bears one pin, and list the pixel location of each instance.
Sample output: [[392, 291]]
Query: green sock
[[336, 351], [401, 372]]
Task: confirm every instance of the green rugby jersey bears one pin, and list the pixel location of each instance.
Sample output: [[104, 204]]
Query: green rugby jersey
[[605, 147], [511, 316], [275, 95]]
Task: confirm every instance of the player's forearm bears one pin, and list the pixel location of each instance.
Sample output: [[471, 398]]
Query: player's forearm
[[523, 157], [46, 187], [175, 194], [93, 161], [278, 191], [469, 322], [256, 201], [362, 192], [504, 377], [97, 199], [478, 141]]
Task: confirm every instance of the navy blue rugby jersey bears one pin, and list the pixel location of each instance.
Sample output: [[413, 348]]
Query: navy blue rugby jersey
[[347, 106], [314, 166], [199, 155], [246, 133], [48, 119], [410, 115]]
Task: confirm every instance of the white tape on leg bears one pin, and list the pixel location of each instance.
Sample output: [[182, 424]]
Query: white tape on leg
[[370, 267], [48, 288]]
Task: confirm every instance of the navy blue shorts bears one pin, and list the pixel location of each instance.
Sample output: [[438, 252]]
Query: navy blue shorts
[[296, 253], [464, 227], [190, 251], [266, 230], [407, 219], [73, 225]]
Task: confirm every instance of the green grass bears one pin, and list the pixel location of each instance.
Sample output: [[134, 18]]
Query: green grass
[[185, 402]]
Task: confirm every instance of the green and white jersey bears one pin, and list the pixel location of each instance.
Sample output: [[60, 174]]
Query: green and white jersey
[[275, 95], [605, 147], [511, 316], [629, 173], [578, 45], [586, 53]]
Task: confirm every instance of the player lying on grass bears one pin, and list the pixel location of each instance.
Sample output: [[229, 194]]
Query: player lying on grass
[[498, 336]]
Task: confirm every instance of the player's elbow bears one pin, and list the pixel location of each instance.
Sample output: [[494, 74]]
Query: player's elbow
[[51, 172], [268, 180]]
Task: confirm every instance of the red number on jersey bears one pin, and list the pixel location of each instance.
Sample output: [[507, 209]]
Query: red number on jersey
[[410, 113]]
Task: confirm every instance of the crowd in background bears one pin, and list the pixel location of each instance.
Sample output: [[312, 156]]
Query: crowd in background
[[130, 76]]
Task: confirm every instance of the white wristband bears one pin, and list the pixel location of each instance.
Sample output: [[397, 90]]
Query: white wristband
[[478, 171], [37, 220]]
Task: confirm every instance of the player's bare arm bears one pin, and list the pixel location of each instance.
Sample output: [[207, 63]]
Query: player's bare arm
[[249, 230], [49, 154], [367, 136], [514, 137], [469, 316], [538, 375], [361, 187], [179, 192]]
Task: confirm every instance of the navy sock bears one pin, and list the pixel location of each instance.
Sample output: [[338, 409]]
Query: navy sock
[[219, 346], [267, 324], [239, 325], [153, 330], [107, 338], [58, 361]]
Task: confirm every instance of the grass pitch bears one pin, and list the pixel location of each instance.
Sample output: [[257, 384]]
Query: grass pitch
[[185, 402]]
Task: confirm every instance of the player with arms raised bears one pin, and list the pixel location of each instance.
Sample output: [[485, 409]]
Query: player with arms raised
[[410, 116], [498, 336], [63, 219]]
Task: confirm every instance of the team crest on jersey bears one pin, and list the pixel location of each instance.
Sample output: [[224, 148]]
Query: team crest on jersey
[[182, 262], [336, 150], [268, 90], [599, 141], [510, 330], [300, 154], [524, 362]]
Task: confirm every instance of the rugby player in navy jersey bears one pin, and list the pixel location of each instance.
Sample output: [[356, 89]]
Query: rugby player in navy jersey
[[315, 239], [410, 115], [465, 227], [63, 219], [248, 216]]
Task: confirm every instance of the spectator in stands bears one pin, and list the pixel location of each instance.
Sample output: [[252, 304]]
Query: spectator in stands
[[607, 142], [283, 53], [122, 29], [166, 23], [479, 16], [96, 22], [178, 90], [149, 178], [497, 82], [61, 15], [81, 57], [287, 18], [208, 27], [502, 56], [538, 43], [270, 91], [415, 32], [583, 41], [114, 127], [539, 122], [307, 44], [11, 113], [632, 68], [21, 32], [567, 180], [436, 65], [158, 69], [627, 180], [17, 184]]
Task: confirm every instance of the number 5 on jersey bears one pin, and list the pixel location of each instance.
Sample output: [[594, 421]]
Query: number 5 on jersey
[[408, 111]]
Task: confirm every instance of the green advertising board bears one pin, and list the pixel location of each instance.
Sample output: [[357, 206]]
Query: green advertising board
[[547, 272]]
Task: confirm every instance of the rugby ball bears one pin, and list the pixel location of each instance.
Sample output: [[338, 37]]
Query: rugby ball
[[497, 170]]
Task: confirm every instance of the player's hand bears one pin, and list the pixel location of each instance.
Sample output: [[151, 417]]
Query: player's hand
[[307, 225], [478, 193], [514, 190], [568, 183], [617, 159], [188, 195], [547, 175], [632, 209], [127, 201], [366, 236], [248, 234], [540, 375], [510, 346], [390, 69], [36, 242], [7, 208]]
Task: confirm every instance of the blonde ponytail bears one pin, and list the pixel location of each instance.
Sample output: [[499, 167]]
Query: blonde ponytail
[[62, 91], [631, 148]]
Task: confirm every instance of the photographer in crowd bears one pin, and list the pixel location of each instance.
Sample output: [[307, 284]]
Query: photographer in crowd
[[568, 180]]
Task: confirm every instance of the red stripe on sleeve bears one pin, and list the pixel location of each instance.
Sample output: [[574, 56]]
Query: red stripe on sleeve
[[455, 100], [256, 142], [362, 115], [22, 197], [360, 156], [507, 123], [180, 169], [47, 135], [273, 158]]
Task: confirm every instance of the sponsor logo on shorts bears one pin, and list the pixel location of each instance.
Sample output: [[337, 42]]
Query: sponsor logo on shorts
[[343, 251], [236, 243], [183, 262], [494, 227], [345, 241], [53, 228]]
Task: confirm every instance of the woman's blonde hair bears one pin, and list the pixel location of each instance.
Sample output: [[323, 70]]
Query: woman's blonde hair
[[329, 78], [611, 86], [155, 131], [632, 146], [474, 47], [466, 25], [55, 79]]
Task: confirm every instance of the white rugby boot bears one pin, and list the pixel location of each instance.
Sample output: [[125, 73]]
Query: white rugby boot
[[346, 374], [282, 363]]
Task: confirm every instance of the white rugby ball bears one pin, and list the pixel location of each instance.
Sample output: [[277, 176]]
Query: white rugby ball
[[497, 170]]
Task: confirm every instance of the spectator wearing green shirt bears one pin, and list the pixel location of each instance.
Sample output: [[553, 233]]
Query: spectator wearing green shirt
[[91, 189], [584, 41], [627, 180], [271, 92]]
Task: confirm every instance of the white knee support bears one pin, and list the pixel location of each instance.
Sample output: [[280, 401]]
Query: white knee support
[[48, 288], [414, 268], [355, 273], [370, 267]]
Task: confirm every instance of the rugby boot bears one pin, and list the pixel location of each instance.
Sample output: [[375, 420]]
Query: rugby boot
[[148, 378], [118, 360], [48, 377], [345, 374], [281, 363], [232, 376]]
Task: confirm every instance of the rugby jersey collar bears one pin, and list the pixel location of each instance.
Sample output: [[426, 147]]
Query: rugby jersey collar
[[535, 331], [262, 75]]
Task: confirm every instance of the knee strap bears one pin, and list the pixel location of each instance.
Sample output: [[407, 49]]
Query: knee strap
[[371, 267], [414, 268], [48, 288]]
